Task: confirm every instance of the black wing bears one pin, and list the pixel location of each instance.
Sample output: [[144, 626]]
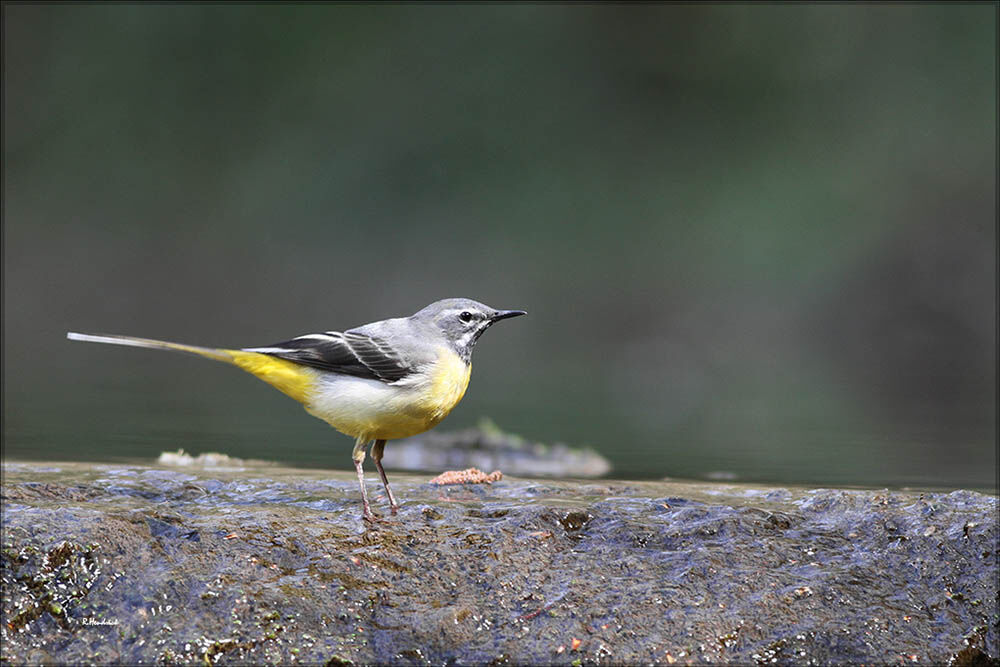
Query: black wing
[[348, 353]]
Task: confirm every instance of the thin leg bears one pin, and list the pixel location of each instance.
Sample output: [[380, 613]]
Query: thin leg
[[377, 448], [359, 459]]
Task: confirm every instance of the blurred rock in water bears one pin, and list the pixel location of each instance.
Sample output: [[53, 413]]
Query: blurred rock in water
[[209, 460], [488, 448]]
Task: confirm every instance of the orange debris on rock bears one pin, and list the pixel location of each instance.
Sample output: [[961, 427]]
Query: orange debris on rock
[[468, 476]]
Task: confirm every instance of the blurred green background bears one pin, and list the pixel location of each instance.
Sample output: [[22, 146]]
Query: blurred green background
[[756, 240]]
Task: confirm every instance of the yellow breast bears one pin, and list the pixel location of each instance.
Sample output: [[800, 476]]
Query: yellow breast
[[448, 381]]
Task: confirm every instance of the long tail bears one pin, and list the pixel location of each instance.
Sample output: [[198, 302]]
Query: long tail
[[292, 379], [131, 341]]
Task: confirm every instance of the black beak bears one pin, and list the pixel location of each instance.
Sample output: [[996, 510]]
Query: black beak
[[504, 314]]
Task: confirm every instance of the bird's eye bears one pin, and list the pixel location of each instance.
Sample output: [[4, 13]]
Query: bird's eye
[[465, 316]]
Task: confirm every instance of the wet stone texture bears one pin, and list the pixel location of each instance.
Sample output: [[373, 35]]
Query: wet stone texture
[[131, 564]]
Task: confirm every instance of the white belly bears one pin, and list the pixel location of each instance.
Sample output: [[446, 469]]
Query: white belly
[[370, 409]]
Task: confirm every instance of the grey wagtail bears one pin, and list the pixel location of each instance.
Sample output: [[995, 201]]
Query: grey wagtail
[[381, 381]]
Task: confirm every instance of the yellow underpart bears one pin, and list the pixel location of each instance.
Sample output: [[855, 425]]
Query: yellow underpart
[[368, 409], [449, 380], [289, 378]]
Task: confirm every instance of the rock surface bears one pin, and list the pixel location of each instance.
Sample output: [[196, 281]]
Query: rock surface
[[138, 564]]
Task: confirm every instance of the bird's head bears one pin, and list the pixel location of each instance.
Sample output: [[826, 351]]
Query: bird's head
[[463, 321]]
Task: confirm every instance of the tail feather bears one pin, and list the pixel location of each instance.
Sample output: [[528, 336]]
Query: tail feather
[[293, 379], [208, 352]]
